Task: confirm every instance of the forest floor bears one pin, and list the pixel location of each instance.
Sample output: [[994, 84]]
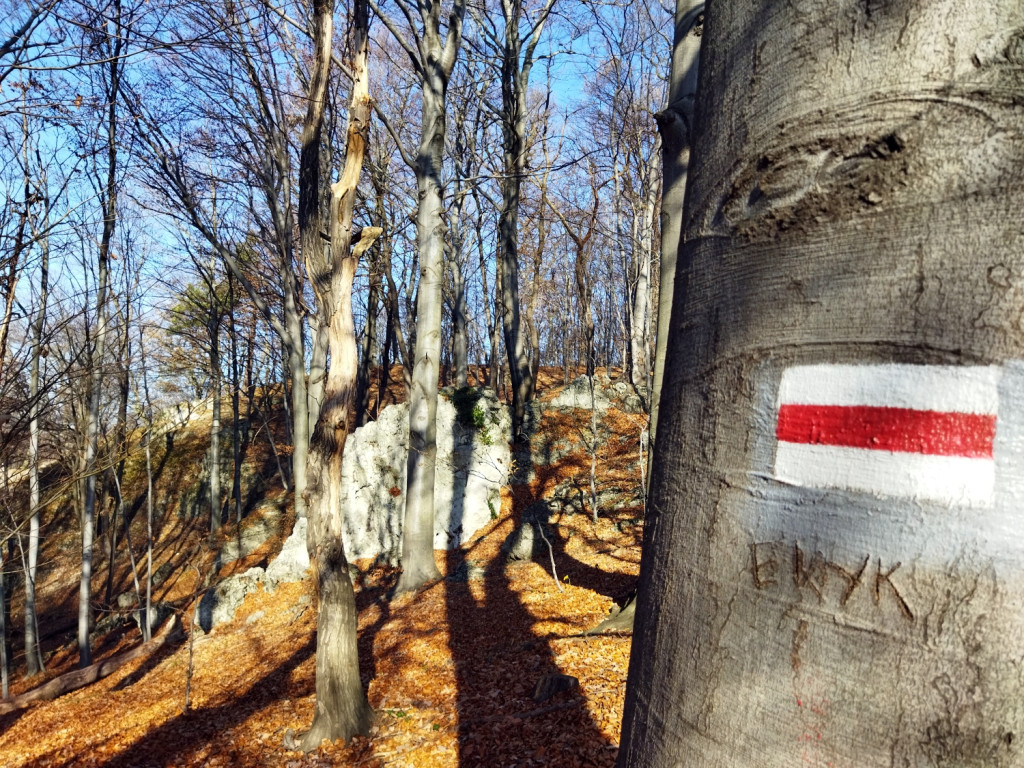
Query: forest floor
[[449, 670]]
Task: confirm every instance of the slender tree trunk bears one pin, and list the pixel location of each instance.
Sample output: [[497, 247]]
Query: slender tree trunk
[[460, 329], [299, 400], [5, 656], [418, 566], [33, 653], [515, 74], [851, 263], [120, 452], [216, 387], [148, 405], [109, 203], [640, 326], [236, 416], [674, 125], [492, 322], [368, 356]]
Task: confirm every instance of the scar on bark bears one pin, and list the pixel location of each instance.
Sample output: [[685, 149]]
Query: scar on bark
[[799, 635], [881, 576], [756, 566], [853, 580]]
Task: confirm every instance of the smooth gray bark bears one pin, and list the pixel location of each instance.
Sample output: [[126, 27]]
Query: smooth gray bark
[[854, 199], [674, 125], [115, 44], [433, 59], [33, 653]]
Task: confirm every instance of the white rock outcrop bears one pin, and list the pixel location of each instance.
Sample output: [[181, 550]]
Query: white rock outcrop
[[472, 465]]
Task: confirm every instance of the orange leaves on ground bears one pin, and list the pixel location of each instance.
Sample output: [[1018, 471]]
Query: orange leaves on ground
[[450, 671]]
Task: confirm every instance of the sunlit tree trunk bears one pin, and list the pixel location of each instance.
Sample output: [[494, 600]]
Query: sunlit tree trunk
[[341, 706], [833, 572], [33, 653], [640, 325], [433, 59]]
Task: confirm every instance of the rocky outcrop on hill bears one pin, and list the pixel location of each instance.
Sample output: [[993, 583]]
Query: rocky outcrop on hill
[[607, 395], [473, 458]]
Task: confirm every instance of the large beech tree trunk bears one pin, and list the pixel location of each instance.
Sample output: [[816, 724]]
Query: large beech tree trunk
[[341, 706], [851, 266], [418, 566]]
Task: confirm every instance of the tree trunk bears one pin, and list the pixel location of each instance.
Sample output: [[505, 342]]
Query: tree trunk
[[294, 348], [108, 200], [341, 706], [832, 566], [460, 322], [418, 566], [236, 416], [33, 654], [317, 367], [435, 68], [515, 78], [147, 629], [674, 125], [5, 642], [492, 323], [640, 325], [367, 357], [215, 375], [79, 678]]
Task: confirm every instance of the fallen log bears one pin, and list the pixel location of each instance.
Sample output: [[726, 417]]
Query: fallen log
[[79, 678]]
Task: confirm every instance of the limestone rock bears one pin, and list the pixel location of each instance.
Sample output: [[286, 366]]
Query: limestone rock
[[619, 395], [472, 465], [219, 603], [249, 537], [292, 562], [158, 613]]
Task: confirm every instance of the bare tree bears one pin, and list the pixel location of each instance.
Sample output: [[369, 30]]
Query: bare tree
[[341, 706], [516, 44], [235, 70], [111, 43], [433, 58]]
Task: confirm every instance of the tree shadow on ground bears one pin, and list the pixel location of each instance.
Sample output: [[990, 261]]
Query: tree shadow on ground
[[499, 723], [180, 738], [152, 661], [366, 597]]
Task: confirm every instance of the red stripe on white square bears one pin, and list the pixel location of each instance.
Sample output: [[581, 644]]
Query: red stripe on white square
[[900, 430]]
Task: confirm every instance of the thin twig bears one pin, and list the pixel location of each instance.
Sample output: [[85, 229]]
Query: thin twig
[[551, 552]]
